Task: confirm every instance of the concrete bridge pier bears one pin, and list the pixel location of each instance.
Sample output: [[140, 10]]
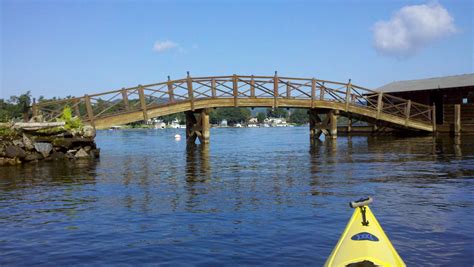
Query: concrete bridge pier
[[326, 125], [197, 127]]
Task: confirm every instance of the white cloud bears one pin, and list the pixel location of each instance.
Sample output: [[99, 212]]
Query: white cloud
[[162, 46], [412, 28]]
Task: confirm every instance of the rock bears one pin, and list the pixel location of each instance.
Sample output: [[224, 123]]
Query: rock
[[70, 155], [44, 148], [8, 161], [33, 156], [63, 142], [87, 148], [81, 154], [95, 153], [18, 143], [28, 143], [88, 131], [58, 155], [15, 152], [72, 151]]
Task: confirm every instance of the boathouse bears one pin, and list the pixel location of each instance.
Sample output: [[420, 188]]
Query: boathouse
[[445, 93]]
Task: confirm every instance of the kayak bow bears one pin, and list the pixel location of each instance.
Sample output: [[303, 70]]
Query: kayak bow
[[364, 243]]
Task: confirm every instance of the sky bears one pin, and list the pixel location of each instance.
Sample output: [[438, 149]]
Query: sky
[[61, 48]]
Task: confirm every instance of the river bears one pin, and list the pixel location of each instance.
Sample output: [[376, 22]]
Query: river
[[254, 196]]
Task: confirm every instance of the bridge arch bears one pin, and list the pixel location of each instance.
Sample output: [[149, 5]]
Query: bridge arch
[[191, 94]]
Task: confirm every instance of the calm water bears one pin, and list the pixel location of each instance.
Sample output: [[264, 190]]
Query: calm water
[[253, 196]]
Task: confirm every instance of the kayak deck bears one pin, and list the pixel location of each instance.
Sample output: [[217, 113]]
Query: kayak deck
[[364, 243]]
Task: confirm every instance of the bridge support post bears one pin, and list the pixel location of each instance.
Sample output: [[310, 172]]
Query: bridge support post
[[326, 126], [197, 127]]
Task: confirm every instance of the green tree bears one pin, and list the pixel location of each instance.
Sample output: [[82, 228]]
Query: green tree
[[232, 115], [261, 117], [277, 113], [299, 116]]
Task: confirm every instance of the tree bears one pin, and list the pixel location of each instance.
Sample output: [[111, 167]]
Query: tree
[[299, 116], [261, 117], [277, 113], [232, 115]]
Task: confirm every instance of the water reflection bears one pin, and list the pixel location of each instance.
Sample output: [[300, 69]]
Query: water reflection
[[252, 196]]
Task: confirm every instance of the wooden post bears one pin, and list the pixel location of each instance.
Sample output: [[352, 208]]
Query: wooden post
[[235, 87], [125, 99], [314, 120], [288, 90], [348, 94], [190, 122], [213, 88], [407, 112], [170, 91], [379, 104], [205, 127], [275, 90], [433, 117], [252, 87], [321, 95], [90, 111], [349, 125], [313, 91], [189, 82], [457, 119], [332, 124], [141, 95]]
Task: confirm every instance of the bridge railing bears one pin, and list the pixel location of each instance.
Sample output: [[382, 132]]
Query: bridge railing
[[191, 89]]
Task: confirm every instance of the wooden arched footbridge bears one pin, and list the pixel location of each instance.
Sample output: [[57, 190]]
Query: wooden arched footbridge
[[197, 94]]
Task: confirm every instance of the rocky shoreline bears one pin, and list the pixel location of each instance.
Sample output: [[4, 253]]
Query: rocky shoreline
[[33, 142]]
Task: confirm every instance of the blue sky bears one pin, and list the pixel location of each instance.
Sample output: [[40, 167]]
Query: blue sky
[[60, 48]]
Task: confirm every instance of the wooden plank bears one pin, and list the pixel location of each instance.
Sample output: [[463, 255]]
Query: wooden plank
[[313, 91], [141, 95]]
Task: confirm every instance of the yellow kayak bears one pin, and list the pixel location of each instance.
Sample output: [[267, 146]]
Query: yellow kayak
[[364, 243]]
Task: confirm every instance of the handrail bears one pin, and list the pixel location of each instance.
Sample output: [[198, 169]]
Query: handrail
[[98, 105]]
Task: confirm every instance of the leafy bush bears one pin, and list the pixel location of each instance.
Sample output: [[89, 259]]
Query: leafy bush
[[71, 122]]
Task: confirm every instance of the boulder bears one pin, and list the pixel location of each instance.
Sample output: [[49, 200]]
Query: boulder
[[9, 161], [70, 155], [95, 153], [88, 131], [58, 155], [81, 154], [33, 156], [87, 148], [28, 143], [15, 152], [44, 148], [18, 143]]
